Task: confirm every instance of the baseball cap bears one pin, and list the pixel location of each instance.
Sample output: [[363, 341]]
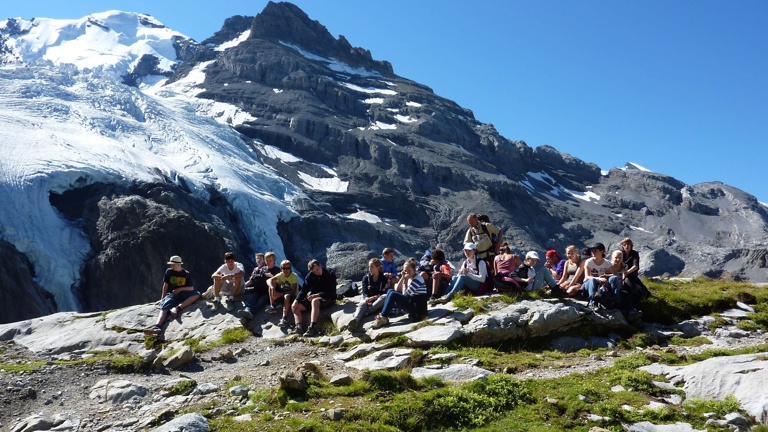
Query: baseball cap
[[470, 246], [532, 255], [599, 246]]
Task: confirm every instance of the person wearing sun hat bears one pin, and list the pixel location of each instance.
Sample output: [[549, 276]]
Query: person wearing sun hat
[[178, 293]]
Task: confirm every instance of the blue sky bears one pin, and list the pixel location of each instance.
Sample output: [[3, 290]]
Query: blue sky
[[679, 87]]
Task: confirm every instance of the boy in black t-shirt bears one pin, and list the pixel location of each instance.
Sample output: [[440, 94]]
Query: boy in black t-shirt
[[178, 293]]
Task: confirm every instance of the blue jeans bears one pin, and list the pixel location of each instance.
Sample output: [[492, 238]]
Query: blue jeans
[[591, 285], [542, 277], [257, 301], [393, 299], [460, 282]]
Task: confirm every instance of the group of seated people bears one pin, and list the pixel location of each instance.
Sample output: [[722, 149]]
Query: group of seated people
[[488, 265]]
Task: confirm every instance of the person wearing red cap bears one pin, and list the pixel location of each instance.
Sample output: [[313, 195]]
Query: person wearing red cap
[[554, 264]]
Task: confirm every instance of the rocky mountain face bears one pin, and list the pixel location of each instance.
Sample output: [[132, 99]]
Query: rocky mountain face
[[380, 161]]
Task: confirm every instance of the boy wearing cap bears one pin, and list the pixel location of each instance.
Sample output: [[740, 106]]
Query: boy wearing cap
[[178, 293], [527, 276]]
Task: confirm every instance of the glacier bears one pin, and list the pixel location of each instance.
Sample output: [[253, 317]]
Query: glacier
[[69, 122]]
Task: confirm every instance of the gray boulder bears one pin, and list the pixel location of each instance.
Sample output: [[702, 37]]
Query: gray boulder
[[194, 422], [457, 373], [116, 391]]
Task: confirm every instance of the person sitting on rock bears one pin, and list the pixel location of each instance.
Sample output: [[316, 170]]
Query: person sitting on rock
[[632, 282], [375, 287], [471, 275], [265, 269], [527, 276], [227, 279], [441, 274], [598, 272], [569, 282], [282, 289], [505, 263], [554, 264], [318, 292], [178, 293], [410, 294], [389, 266]]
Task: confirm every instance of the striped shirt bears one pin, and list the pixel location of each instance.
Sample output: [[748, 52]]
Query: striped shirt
[[416, 287]]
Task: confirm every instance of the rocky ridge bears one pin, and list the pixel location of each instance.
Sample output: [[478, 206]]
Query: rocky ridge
[[90, 397]]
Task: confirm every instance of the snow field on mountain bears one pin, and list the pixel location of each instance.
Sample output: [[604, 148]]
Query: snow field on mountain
[[65, 130]]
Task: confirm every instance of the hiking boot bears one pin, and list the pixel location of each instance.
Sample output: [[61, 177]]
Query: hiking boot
[[380, 322], [154, 330], [433, 300], [442, 300], [283, 323], [352, 326], [245, 313], [299, 330], [311, 331]]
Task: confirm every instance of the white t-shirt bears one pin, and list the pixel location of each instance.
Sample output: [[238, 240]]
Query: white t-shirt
[[594, 270], [238, 268]]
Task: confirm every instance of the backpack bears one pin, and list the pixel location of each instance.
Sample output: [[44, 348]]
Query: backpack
[[483, 219], [605, 297]]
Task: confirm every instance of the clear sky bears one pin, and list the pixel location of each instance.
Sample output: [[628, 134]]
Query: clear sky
[[679, 87]]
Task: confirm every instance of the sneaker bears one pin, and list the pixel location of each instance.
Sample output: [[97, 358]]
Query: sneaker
[[311, 331], [352, 326], [299, 330], [381, 321], [214, 304], [442, 300], [228, 303], [245, 313], [271, 309], [155, 329], [283, 323], [432, 300]]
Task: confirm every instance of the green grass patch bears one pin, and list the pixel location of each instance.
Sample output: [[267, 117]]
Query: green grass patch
[[694, 341], [23, 367], [182, 387]]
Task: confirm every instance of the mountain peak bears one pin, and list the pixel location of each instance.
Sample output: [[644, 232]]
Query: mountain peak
[[287, 23], [114, 42]]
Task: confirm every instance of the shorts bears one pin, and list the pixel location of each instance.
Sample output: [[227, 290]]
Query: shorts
[[324, 303], [171, 301]]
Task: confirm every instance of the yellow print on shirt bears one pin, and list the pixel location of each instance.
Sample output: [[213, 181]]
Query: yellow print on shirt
[[178, 281]]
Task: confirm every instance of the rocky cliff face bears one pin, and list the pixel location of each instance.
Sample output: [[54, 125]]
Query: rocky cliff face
[[384, 161]]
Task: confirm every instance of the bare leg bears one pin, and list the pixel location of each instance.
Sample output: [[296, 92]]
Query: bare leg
[[298, 312], [315, 315]]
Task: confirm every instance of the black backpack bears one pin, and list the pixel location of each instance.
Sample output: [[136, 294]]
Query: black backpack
[[605, 297]]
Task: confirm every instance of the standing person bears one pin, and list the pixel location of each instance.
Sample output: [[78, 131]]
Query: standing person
[[482, 235], [527, 276], [228, 278], [472, 273], [569, 281], [599, 271], [318, 292], [554, 264], [265, 270], [410, 294], [178, 293], [375, 287], [282, 286]]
